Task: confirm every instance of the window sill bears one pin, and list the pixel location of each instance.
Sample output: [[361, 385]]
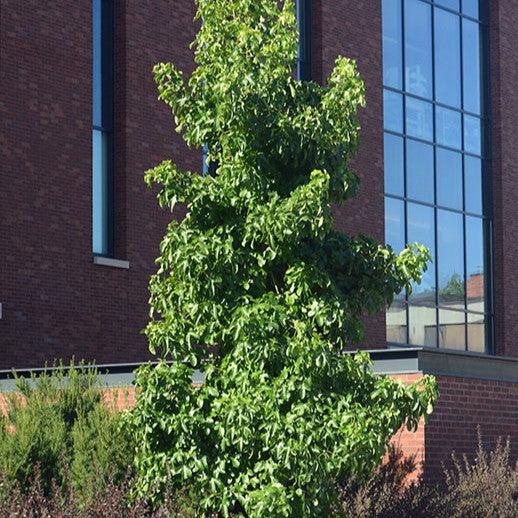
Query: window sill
[[109, 261]]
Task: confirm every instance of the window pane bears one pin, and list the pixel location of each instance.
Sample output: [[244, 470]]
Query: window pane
[[472, 134], [421, 228], [100, 191], [473, 183], [450, 259], [449, 178], [452, 4], [475, 283], [476, 333], [418, 48], [471, 66], [392, 49], [395, 224], [452, 329], [419, 171], [395, 237], [394, 167], [396, 321], [470, 7], [447, 57], [422, 325], [393, 111], [419, 119], [97, 65], [448, 127]]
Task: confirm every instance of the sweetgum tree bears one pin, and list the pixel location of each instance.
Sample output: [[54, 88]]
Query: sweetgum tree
[[257, 289]]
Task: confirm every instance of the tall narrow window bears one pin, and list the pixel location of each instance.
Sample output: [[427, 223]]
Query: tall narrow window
[[102, 134], [436, 166], [304, 54]]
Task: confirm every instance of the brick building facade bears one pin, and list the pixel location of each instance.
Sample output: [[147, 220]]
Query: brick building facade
[[59, 301]]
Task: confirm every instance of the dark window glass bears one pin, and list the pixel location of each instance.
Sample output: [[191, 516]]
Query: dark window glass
[[450, 259], [448, 127], [475, 280], [422, 326], [395, 224], [420, 225], [394, 167], [472, 134], [393, 111], [304, 50], [418, 48], [449, 178], [471, 66], [419, 118], [392, 49], [452, 329], [447, 58], [473, 184], [419, 171], [97, 64]]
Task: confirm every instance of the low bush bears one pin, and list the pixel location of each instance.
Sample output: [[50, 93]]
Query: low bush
[[483, 486], [58, 421]]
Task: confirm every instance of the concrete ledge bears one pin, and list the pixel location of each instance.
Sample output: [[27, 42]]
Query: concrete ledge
[[444, 362], [404, 360], [109, 261]]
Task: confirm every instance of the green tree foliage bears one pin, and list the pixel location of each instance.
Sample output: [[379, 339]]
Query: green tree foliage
[[257, 289]]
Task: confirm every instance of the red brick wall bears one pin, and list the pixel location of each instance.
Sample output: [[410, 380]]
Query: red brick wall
[[353, 29], [465, 404], [56, 302], [504, 107]]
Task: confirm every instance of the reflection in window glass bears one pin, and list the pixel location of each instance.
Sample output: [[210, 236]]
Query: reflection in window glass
[[450, 259], [449, 179], [473, 184], [434, 165], [418, 48], [392, 50], [447, 57], [476, 333], [396, 320], [471, 8], [448, 127], [395, 237], [420, 226], [475, 281], [422, 325], [419, 171], [472, 135], [419, 119], [452, 329], [393, 163], [471, 67], [100, 191], [395, 224], [452, 4], [393, 111]]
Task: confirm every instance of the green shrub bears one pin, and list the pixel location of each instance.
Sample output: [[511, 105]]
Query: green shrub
[[58, 420], [258, 288]]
